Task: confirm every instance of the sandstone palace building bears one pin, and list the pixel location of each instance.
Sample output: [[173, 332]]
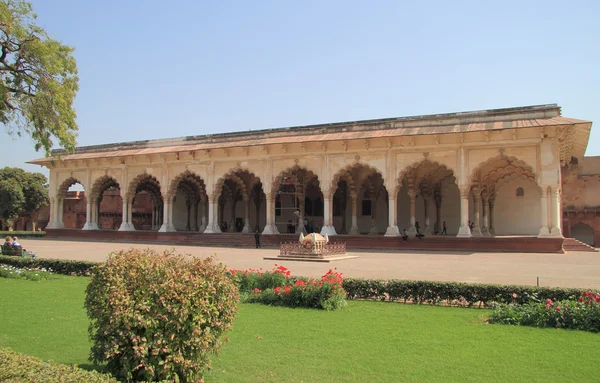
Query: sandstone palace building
[[484, 173]]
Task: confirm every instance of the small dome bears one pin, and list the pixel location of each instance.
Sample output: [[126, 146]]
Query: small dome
[[313, 237]]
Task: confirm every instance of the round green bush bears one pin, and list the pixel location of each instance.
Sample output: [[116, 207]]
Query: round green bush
[[158, 316]]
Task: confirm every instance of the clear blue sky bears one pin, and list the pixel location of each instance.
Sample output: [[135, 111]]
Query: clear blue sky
[[150, 69]]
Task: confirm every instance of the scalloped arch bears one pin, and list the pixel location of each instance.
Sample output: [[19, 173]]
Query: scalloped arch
[[498, 161], [434, 166], [495, 168], [346, 172], [189, 177], [101, 184], [234, 174], [66, 184], [296, 168], [133, 185]]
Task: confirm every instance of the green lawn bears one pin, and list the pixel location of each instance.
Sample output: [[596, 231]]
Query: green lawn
[[366, 342]]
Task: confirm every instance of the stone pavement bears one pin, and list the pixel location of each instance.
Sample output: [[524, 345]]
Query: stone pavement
[[566, 270]]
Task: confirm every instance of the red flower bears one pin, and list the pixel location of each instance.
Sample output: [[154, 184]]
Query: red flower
[[557, 308]]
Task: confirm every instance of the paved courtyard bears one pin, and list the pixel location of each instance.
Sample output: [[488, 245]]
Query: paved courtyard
[[567, 270]]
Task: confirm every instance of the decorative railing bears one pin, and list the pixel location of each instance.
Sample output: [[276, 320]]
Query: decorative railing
[[296, 248]]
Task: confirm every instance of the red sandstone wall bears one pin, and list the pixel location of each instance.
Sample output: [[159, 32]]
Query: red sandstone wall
[[581, 197]]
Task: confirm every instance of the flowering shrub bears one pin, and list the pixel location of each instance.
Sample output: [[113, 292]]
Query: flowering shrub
[[32, 274], [580, 314], [277, 288], [158, 316]]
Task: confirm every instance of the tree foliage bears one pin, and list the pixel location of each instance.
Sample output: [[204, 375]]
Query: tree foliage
[[21, 192], [38, 80]]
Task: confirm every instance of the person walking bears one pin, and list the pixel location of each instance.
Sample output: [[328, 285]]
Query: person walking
[[257, 239], [444, 229]]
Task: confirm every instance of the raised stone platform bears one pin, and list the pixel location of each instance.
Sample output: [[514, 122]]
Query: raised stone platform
[[312, 259], [353, 242]]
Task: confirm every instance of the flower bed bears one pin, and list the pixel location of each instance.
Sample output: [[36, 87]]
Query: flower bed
[[582, 313], [275, 287], [32, 274]]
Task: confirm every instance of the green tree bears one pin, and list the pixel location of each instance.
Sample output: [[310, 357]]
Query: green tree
[[21, 192], [38, 80], [11, 199]]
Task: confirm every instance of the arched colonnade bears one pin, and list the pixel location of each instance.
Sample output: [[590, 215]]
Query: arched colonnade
[[500, 197]]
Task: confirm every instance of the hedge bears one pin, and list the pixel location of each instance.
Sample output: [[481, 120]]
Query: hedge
[[431, 292], [20, 368], [58, 266], [23, 234], [452, 293]]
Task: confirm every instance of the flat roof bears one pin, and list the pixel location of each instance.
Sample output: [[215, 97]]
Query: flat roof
[[447, 123]]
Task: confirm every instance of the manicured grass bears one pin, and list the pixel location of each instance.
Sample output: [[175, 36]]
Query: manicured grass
[[46, 318], [367, 341]]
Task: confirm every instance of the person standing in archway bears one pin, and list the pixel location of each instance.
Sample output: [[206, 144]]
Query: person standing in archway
[[444, 229]]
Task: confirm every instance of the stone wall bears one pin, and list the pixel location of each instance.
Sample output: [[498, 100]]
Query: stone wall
[[581, 200]]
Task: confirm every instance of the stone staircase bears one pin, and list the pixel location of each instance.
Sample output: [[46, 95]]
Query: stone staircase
[[571, 244], [358, 242]]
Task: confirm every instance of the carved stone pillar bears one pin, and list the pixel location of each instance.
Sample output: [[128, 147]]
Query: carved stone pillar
[[89, 223], [392, 229], [203, 214], [167, 225], [556, 211], [412, 194], [94, 212], [544, 230], [374, 230], [354, 227], [327, 217], [426, 201], [52, 219], [124, 216], [486, 212], [464, 230], [130, 215], [270, 227], [60, 213], [212, 226], [476, 213], [246, 228]]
